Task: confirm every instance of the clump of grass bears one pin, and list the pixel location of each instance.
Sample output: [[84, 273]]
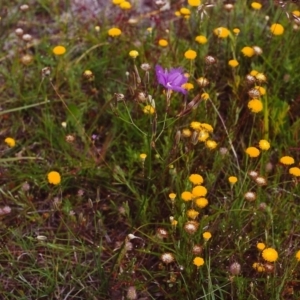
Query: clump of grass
[[150, 155]]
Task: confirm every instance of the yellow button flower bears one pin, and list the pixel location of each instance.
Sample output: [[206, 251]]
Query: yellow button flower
[[256, 5], [206, 235], [252, 151], [233, 63], [295, 171], [59, 50], [264, 145], [163, 43], [248, 51], [201, 202], [222, 32], [113, 32], [201, 39], [199, 191], [287, 160], [190, 54], [196, 179], [187, 196], [54, 177], [125, 5], [10, 142], [194, 2], [270, 254], [232, 179], [255, 105], [133, 53], [277, 29], [198, 261]]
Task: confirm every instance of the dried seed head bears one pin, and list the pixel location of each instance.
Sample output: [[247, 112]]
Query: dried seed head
[[70, 138], [250, 196], [253, 174], [269, 268], [128, 246], [24, 7], [262, 206], [119, 96], [254, 93], [223, 151], [210, 60], [228, 6], [25, 187], [197, 249], [145, 67], [235, 268], [19, 31], [46, 72], [191, 227], [26, 59], [167, 258], [88, 74], [26, 37], [202, 81], [269, 167], [131, 293], [161, 233], [261, 180], [257, 50], [250, 79]]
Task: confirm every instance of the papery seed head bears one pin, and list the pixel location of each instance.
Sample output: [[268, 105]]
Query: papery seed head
[[235, 268]]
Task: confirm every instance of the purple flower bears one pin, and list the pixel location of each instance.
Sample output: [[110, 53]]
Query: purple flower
[[172, 80]]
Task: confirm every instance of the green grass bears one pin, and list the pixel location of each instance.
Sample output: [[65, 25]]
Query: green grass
[[95, 234]]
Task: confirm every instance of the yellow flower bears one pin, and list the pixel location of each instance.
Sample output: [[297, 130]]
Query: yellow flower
[[264, 145], [185, 11], [172, 196], [207, 127], [236, 31], [287, 160], [252, 151], [294, 171], [232, 179], [59, 50], [10, 142], [194, 2], [190, 54], [201, 39], [261, 77], [296, 13], [298, 255], [54, 177], [113, 32], [222, 32], [201, 202], [199, 191], [206, 235], [143, 156], [188, 86], [256, 5], [177, 13], [163, 43], [195, 125], [187, 196], [192, 214], [125, 5], [149, 109], [260, 246], [248, 51], [117, 2], [233, 63], [196, 179], [210, 144], [258, 267], [270, 254], [203, 135], [133, 53], [276, 29], [255, 105], [205, 96], [186, 132], [198, 261]]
